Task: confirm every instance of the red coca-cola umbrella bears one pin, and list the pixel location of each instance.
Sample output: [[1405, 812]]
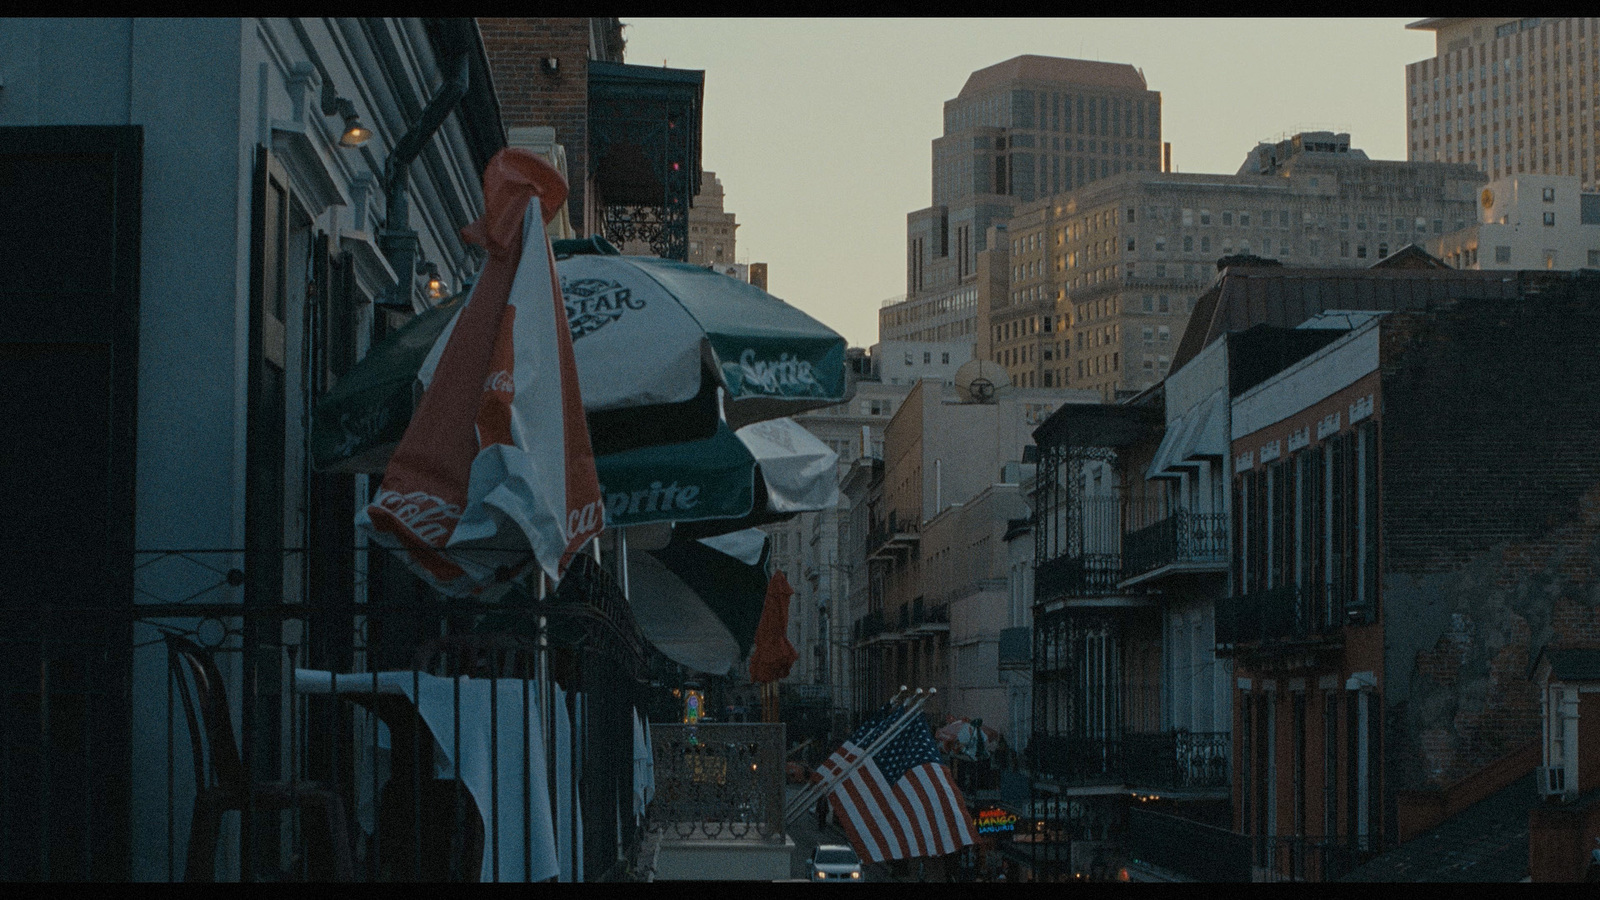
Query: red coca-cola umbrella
[[495, 471]]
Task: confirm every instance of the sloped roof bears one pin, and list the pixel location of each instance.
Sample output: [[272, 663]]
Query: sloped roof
[[1574, 664], [1487, 841], [1054, 68], [1283, 297]]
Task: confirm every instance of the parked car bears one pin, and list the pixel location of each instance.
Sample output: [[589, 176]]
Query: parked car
[[835, 862]]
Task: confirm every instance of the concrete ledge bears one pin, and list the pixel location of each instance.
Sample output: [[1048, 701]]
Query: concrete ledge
[[723, 860]]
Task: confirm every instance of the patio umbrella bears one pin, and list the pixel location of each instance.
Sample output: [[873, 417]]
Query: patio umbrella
[[699, 601], [960, 736], [655, 342], [494, 471], [654, 338], [761, 473]]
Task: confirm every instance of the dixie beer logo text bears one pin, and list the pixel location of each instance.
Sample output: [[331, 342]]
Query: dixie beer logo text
[[594, 303], [426, 516], [771, 377]]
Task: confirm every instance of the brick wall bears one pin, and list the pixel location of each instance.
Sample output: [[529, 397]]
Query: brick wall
[[529, 96], [1491, 519]]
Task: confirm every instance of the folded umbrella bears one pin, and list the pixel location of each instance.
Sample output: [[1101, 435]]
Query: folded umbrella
[[495, 471], [699, 601]]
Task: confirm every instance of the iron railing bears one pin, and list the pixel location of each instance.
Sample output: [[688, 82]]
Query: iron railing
[[720, 781], [1278, 615], [1183, 537], [98, 779], [1202, 852], [1168, 760], [1278, 858], [1077, 576]]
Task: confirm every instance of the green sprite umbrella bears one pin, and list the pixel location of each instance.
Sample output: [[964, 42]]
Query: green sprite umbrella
[[761, 473], [699, 601]]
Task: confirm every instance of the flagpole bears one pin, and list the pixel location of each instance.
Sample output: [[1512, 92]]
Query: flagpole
[[809, 796]]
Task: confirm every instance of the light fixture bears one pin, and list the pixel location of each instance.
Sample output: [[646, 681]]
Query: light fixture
[[435, 285], [355, 134], [550, 65]]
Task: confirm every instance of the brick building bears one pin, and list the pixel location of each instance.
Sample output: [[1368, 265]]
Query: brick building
[[1414, 521]]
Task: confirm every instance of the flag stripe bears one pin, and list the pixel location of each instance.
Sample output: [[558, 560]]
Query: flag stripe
[[949, 824], [865, 789], [900, 822], [938, 833], [857, 814]]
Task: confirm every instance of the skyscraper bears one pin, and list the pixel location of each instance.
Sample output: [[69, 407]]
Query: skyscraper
[[1019, 130], [1509, 95]]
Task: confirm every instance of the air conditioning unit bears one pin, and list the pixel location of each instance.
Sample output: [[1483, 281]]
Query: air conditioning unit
[[1552, 781]]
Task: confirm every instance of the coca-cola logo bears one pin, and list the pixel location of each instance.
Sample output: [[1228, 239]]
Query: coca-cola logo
[[499, 381], [771, 377], [594, 303], [424, 515]]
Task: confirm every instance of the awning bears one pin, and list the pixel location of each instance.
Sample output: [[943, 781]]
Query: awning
[[1197, 435]]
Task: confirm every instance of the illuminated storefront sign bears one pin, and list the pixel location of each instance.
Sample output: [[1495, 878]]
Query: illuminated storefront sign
[[996, 822]]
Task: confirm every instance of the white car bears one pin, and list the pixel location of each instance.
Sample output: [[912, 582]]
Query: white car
[[835, 862]]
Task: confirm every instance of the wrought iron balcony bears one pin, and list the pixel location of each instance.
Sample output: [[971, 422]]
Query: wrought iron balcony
[[1181, 539], [718, 781], [1279, 615], [1167, 760], [1077, 576]]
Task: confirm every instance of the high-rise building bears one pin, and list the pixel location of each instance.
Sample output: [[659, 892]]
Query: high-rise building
[[711, 228], [1093, 288], [1527, 222], [1025, 128], [1511, 96]]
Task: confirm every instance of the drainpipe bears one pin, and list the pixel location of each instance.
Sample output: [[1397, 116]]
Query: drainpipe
[[397, 240]]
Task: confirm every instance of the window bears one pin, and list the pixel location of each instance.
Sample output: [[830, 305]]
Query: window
[[1205, 243], [1164, 333], [927, 357], [1205, 217], [1383, 251], [945, 358], [1549, 220], [1130, 245], [1361, 251], [1161, 243], [1165, 304], [1244, 220], [908, 359], [1227, 217], [1502, 254], [1149, 335], [1188, 244], [1549, 259], [1549, 195], [1148, 303]]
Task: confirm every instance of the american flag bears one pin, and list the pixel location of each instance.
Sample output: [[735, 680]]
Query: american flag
[[901, 803]]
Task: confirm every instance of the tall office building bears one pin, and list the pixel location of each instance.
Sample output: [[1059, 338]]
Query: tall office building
[[1510, 96], [1093, 288], [1025, 128], [711, 228]]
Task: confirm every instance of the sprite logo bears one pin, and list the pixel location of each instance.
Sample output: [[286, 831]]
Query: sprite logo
[[772, 377]]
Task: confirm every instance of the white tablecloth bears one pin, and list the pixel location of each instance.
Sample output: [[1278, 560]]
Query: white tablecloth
[[498, 790]]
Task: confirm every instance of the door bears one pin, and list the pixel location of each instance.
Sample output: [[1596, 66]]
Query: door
[[69, 318]]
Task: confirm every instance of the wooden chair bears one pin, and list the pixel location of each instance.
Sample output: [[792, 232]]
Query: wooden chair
[[228, 786]]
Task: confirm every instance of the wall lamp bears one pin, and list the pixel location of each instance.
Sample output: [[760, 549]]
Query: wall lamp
[[435, 284], [550, 65], [355, 134]]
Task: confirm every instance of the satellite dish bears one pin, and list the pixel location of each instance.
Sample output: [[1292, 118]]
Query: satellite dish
[[978, 380]]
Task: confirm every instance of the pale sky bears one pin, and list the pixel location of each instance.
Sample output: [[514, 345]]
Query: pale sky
[[821, 130]]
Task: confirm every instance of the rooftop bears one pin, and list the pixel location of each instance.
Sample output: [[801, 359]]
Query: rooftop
[[1054, 68], [1487, 841]]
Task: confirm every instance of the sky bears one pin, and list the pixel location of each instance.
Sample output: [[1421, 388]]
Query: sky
[[821, 130]]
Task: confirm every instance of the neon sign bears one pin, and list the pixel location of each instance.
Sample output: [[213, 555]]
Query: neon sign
[[996, 821]]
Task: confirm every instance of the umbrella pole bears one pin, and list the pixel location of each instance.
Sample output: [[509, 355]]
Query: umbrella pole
[[622, 559]]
